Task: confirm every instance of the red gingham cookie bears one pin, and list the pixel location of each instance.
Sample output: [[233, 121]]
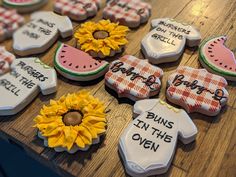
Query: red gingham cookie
[[133, 78], [131, 13], [6, 59], [9, 22], [77, 9], [197, 90]]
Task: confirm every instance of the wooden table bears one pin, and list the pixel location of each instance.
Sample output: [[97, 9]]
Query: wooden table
[[213, 153]]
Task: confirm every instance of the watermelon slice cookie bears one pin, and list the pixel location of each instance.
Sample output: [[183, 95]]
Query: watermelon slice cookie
[[217, 58], [77, 65], [24, 6]]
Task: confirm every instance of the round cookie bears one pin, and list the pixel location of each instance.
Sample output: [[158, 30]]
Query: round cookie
[[217, 58], [6, 59], [102, 39], [77, 65], [78, 121], [24, 6]]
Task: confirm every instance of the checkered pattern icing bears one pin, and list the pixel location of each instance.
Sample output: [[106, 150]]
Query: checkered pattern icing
[[133, 78], [77, 9], [197, 90], [9, 22], [6, 59], [128, 12]]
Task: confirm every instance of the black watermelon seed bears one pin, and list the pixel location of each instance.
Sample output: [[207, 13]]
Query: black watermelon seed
[[209, 51], [77, 67], [211, 55], [216, 60], [64, 61], [63, 51], [62, 56], [65, 46], [230, 68], [222, 38], [212, 45], [90, 66], [209, 48], [70, 64], [96, 64], [84, 66], [218, 39], [215, 42], [226, 66], [220, 63]]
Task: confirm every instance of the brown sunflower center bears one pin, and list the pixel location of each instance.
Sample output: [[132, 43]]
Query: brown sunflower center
[[72, 118], [100, 34]]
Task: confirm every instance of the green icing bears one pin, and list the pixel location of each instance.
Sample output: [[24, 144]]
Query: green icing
[[57, 65], [210, 65]]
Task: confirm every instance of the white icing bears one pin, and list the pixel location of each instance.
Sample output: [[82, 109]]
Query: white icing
[[144, 151], [165, 43], [19, 87], [41, 32]]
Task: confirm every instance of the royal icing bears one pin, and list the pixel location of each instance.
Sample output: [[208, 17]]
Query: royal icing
[[166, 42], [76, 121], [24, 6], [197, 90], [131, 13], [148, 144], [217, 58], [10, 21], [77, 9], [41, 32], [28, 76], [133, 78], [6, 58], [77, 65]]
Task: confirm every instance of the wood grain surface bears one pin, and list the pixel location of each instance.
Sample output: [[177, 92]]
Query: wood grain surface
[[214, 151]]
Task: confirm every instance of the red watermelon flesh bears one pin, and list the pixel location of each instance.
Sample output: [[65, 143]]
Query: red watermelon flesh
[[218, 57], [77, 63]]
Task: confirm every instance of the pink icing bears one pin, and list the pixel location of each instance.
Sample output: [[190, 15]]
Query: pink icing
[[219, 54], [77, 60]]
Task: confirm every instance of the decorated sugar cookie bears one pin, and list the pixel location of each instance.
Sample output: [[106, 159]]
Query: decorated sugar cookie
[[148, 144], [197, 90], [134, 78], [6, 59], [102, 39], [72, 123], [130, 13], [24, 6], [10, 21], [77, 65], [28, 77], [40, 33], [77, 9], [217, 58], [166, 42]]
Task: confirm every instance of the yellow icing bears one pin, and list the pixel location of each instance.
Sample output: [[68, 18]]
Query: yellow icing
[[50, 120], [37, 60], [169, 106], [116, 38]]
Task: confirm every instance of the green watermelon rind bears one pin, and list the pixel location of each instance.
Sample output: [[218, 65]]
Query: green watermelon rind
[[210, 65], [9, 4], [101, 68]]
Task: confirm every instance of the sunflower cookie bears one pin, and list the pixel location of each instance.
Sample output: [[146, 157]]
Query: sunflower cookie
[[6, 59], [10, 21], [134, 78], [72, 123], [130, 13], [166, 42], [217, 58], [77, 10], [24, 6], [197, 90], [27, 78], [147, 145], [102, 39], [41, 32]]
